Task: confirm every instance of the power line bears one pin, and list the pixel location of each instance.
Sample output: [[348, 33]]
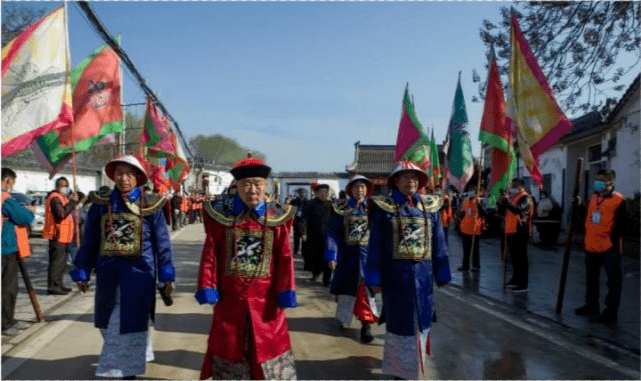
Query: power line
[[104, 33]]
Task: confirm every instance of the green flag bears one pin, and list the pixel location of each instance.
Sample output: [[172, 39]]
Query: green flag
[[458, 147]]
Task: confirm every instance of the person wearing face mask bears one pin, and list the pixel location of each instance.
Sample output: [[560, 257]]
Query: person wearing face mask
[[15, 245], [406, 255], [604, 227], [347, 240], [59, 229], [471, 227], [518, 210]]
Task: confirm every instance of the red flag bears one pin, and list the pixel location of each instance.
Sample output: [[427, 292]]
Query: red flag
[[96, 97], [411, 142], [157, 133], [494, 132]]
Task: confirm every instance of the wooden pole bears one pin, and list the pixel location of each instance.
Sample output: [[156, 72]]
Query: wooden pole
[[569, 237], [504, 255], [30, 290], [476, 210]]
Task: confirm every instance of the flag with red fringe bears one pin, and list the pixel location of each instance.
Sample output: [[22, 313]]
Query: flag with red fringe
[[538, 120], [36, 85]]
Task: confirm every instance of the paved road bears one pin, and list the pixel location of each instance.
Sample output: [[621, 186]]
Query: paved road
[[474, 338]]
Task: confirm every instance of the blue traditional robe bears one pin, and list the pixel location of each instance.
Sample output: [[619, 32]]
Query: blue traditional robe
[[112, 245], [348, 248], [407, 253]]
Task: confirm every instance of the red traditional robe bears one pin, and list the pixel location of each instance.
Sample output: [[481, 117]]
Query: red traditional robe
[[247, 270]]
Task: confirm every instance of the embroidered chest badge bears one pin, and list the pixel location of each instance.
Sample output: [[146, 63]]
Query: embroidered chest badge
[[356, 230], [249, 253], [412, 238], [120, 236]]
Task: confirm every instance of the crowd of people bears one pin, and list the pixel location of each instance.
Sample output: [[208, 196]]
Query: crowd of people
[[358, 245]]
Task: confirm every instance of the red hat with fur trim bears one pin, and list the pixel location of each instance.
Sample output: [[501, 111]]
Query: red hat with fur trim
[[250, 167]]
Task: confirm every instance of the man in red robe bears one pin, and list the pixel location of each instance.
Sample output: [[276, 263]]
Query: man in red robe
[[247, 270]]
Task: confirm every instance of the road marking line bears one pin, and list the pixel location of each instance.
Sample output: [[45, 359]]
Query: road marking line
[[553, 339], [38, 342]]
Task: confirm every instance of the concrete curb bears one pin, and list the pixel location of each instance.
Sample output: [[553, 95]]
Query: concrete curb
[[36, 327]]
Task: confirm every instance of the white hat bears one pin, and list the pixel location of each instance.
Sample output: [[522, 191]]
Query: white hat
[[127, 159], [407, 166], [355, 179]]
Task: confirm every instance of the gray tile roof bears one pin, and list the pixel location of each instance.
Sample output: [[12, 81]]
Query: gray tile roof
[[373, 160]]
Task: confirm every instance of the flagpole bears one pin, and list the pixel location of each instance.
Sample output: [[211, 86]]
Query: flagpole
[[569, 237], [76, 226], [476, 210], [515, 144], [122, 136]]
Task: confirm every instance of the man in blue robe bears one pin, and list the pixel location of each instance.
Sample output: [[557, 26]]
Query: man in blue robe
[[347, 241], [407, 253], [127, 242]]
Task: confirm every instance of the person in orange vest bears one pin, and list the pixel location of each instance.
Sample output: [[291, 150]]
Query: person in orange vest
[[447, 217], [471, 215], [15, 242], [517, 209], [184, 210], [604, 227], [60, 231]]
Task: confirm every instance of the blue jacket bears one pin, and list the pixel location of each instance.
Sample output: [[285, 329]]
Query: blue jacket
[[136, 277], [14, 214], [350, 259], [407, 283]]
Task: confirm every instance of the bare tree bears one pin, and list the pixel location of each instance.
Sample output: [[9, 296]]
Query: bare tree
[[584, 48], [16, 18]]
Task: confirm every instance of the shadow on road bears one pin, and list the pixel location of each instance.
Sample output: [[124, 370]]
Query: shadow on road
[[85, 318], [350, 368], [183, 323], [84, 368], [181, 358]]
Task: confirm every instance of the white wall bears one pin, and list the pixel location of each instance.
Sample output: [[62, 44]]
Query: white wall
[[627, 160], [288, 186], [30, 181], [552, 162], [218, 181]]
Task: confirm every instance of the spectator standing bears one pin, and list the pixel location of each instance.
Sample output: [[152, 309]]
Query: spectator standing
[[471, 228], [604, 228], [59, 229], [15, 245], [518, 210], [314, 234], [300, 202]]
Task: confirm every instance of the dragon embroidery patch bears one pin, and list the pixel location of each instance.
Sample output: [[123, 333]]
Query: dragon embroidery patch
[[249, 253], [412, 238], [356, 230], [121, 237]]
